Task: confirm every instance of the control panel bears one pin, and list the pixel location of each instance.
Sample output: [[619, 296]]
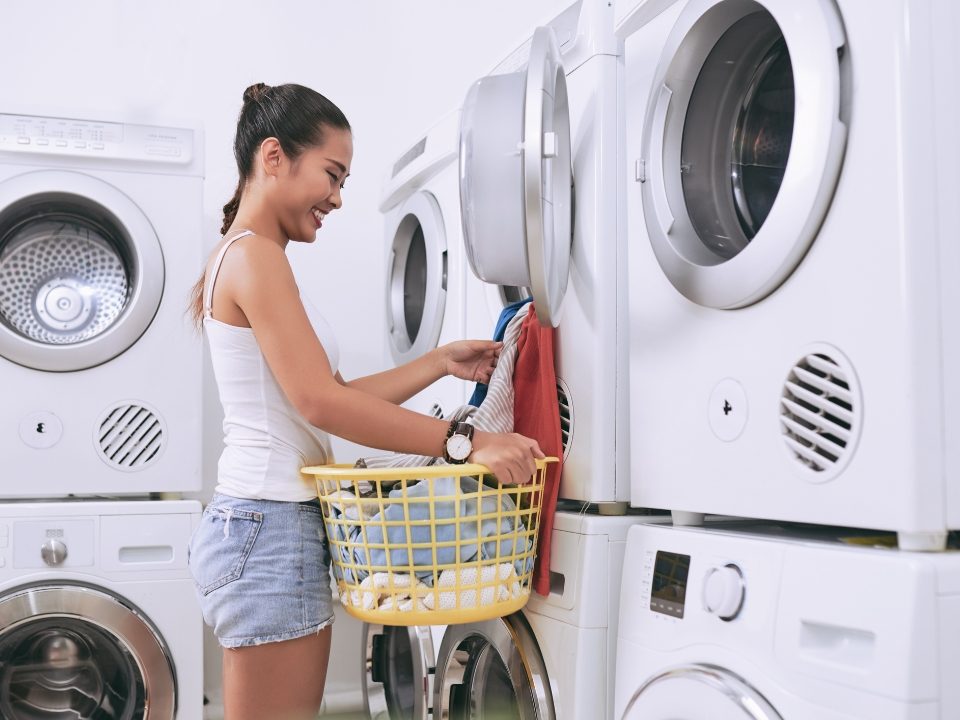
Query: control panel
[[89, 138]]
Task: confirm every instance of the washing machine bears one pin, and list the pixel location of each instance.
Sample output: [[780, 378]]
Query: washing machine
[[398, 669], [541, 193], [426, 268], [555, 658], [791, 259], [777, 623], [100, 243], [98, 613]]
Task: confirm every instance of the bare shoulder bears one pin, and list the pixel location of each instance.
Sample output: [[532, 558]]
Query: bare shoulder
[[255, 272], [255, 262], [257, 254]]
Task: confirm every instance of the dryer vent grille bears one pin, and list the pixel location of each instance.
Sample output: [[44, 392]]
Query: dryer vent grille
[[818, 412], [130, 437], [566, 416]]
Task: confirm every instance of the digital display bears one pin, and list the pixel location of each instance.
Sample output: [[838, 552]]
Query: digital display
[[669, 590]]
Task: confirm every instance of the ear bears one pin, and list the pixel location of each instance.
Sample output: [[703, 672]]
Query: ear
[[271, 156]]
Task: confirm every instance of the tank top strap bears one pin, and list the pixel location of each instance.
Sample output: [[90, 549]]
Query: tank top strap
[[214, 271]]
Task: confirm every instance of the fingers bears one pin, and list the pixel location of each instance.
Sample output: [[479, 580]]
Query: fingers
[[485, 372], [511, 457], [535, 449]]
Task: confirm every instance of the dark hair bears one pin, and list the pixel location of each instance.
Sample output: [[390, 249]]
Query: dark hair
[[293, 114]]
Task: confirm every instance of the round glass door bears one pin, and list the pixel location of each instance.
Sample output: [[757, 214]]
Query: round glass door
[[492, 669], [742, 145], [77, 652], [417, 278], [81, 271], [399, 668], [698, 692]]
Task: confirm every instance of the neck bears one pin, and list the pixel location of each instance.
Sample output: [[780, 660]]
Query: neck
[[268, 231]]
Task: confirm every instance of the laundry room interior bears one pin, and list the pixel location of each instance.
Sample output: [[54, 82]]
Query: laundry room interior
[[544, 360]]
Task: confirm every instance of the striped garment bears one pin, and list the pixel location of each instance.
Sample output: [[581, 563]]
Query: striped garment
[[495, 413]]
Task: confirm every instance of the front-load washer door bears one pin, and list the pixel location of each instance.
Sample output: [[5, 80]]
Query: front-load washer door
[[742, 144], [81, 271], [492, 669], [516, 192], [698, 692], [80, 652], [399, 664], [416, 278]]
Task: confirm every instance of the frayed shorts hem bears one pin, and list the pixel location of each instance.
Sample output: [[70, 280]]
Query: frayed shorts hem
[[234, 643]]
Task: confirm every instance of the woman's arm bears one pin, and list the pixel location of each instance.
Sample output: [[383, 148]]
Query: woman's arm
[[401, 383], [470, 360], [258, 278]]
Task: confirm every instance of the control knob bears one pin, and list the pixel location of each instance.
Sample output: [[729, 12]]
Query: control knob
[[723, 591], [53, 552]]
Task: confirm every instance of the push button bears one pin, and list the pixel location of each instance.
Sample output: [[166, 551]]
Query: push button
[[727, 411], [41, 430]]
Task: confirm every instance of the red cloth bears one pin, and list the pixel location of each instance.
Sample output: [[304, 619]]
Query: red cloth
[[536, 414]]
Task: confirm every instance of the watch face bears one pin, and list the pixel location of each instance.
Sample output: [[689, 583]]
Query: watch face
[[459, 447]]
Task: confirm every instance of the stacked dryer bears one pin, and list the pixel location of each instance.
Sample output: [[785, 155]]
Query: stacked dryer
[[426, 269], [790, 222], [791, 263], [100, 242], [432, 298], [540, 192]]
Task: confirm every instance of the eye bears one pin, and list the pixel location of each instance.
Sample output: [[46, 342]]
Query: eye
[[333, 176]]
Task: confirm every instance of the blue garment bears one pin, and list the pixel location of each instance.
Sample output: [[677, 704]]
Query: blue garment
[[506, 315], [471, 532]]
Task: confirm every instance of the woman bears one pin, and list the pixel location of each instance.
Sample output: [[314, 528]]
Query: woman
[[260, 557]]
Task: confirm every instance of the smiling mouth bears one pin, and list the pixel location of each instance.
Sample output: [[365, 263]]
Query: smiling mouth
[[318, 216]]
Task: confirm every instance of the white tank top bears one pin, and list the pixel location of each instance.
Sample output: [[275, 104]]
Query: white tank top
[[266, 440]]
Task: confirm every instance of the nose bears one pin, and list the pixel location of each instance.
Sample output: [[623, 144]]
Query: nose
[[335, 198]]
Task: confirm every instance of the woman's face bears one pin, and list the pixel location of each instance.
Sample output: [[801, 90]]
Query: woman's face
[[311, 187]]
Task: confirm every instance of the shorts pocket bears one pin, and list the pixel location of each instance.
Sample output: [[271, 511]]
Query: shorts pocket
[[220, 547]]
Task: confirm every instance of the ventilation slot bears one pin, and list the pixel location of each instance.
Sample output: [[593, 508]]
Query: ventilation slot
[[819, 413], [130, 437], [566, 416]]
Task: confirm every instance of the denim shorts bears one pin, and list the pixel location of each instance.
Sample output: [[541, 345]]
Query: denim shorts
[[262, 570]]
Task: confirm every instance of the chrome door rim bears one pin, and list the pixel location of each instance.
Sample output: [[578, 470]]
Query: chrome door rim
[[423, 655], [513, 641], [421, 211], [38, 189], [112, 615], [810, 176], [724, 682]]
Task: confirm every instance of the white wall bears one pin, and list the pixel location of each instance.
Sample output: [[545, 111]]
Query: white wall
[[393, 67]]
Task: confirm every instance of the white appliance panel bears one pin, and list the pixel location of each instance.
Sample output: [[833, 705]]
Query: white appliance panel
[[130, 423], [110, 576], [831, 388], [591, 360], [822, 623]]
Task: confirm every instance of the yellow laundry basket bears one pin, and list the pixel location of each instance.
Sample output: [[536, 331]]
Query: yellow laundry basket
[[431, 545]]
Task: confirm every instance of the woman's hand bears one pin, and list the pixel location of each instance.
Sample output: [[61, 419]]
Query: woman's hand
[[471, 360], [509, 456]]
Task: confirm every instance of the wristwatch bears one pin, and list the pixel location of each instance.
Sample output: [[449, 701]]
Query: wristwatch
[[459, 443]]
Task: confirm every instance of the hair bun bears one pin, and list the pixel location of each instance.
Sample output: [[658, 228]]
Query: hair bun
[[255, 92]]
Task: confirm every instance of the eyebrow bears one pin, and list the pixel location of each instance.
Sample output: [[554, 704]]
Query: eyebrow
[[343, 168]]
